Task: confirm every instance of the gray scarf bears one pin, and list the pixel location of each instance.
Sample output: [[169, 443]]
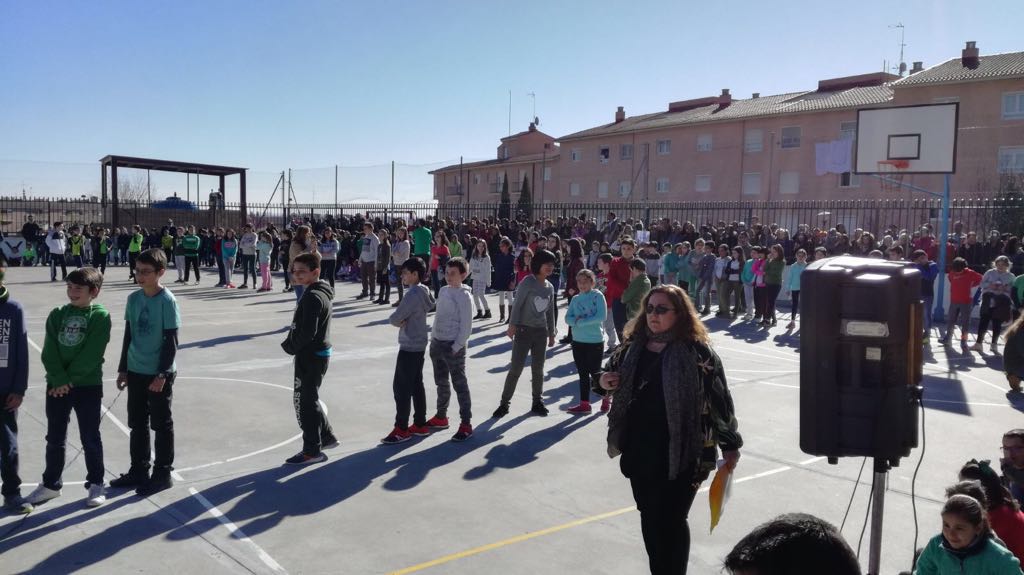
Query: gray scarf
[[684, 401]]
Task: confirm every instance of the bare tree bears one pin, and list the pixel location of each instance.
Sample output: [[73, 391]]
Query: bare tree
[[135, 189]]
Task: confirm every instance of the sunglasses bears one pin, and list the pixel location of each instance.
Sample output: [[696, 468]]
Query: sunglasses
[[658, 309]]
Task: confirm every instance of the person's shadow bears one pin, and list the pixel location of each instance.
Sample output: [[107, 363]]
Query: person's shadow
[[526, 449]]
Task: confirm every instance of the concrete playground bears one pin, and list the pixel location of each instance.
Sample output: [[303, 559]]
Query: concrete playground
[[525, 495]]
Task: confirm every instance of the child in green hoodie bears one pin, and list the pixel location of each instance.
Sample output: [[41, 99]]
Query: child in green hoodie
[[76, 340]]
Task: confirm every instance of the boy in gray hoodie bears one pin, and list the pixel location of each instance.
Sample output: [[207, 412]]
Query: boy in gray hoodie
[[532, 321], [411, 319]]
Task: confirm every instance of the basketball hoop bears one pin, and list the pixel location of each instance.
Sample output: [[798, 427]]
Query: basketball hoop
[[891, 173]]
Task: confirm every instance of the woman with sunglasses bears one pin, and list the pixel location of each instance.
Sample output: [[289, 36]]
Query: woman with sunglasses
[[672, 407]]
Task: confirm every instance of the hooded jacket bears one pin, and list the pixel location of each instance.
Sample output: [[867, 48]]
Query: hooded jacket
[[310, 333], [983, 557], [13, 335], [413, 310]]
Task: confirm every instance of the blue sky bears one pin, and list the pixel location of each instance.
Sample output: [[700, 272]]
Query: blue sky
[[306, 85]]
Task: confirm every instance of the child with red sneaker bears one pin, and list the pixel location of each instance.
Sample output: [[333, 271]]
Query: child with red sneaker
[[411, 319], [586, 315], [453, 324]]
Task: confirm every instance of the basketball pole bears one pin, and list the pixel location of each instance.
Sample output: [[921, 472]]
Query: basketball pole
[[938, 312]]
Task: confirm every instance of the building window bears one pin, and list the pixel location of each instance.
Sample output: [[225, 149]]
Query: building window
[[662, 186], [1011, 160], [1013, 106], [848, 130], [476, 179], [603, 154], [703, 184], [849, 180], [547, 174], [664, 147], [789, 183], [626, 152], [753, 140], [624, 189], [752, 184], [577, 154], [602, 190], [574, 189], [704, 143], [791, 137]]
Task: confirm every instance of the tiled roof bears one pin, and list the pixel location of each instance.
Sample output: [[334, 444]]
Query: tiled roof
[[509, 162], [1009, 65], [764, 106]]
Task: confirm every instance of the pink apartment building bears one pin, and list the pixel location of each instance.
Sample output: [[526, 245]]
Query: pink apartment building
[[762, 147]]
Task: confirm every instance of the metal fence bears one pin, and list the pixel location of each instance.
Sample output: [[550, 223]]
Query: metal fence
[[1005, 214]]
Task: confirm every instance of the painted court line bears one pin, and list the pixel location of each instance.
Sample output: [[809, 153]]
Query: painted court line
[[236, 533], [775, 357], [555, 529]]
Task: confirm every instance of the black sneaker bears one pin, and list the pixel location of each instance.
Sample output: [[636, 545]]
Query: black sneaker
[[539, 409], [329, 442], [301, 458], [159, 482], [502, 411], [130, 479], [17, 505], [243, 286]]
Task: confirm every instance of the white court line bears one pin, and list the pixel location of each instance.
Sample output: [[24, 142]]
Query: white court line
[[65, 483], [236, 532], [811, 460], [35, 345], [775, 357], [231, 459]]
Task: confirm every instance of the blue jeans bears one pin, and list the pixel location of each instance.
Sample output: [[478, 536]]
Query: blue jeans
[[58, 260], [929, 303], [9, 451]]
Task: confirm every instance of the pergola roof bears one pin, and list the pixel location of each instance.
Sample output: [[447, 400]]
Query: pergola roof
[[171, 166]]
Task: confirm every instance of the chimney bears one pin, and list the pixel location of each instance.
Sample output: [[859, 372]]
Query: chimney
[[620, 114], [918, 67], [725, 99], [969, 57], [756, 95], [533, 127]]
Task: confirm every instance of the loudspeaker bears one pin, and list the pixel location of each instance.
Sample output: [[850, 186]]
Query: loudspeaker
[[860, 358]]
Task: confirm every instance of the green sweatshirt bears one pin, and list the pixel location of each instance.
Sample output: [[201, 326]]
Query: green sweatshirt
[[191, 245], [76, 339], [634, 295]]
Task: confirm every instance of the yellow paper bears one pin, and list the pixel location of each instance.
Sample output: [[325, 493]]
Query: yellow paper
[[718, 495]]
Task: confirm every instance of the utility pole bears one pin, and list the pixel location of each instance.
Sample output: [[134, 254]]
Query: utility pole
[[335, 186], [392, 188], [902, 66], [510, 112]]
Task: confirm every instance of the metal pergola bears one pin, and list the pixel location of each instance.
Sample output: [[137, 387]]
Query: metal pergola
[[116, 162]]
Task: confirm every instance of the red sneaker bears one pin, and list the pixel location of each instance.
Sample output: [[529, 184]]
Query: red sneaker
[[419, 430], [582, 409], [606, 404], [465, 432], [436, 423], [397, 436]]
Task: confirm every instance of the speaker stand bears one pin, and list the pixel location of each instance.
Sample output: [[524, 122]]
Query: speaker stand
[[882, 467]]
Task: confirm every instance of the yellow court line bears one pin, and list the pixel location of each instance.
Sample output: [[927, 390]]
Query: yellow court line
[[510, 541]]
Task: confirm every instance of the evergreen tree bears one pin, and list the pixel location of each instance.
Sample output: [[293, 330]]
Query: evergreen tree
[[525, 205], [505, 209]]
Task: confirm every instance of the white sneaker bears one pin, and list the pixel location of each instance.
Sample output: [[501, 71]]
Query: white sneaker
[[42, 494], [96, 496], [976, 347]]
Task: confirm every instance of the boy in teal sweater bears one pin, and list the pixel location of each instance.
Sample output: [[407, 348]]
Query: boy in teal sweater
[[76, 340]]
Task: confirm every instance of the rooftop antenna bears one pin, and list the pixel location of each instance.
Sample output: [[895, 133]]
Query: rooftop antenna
[[536, 120], [903, 65]]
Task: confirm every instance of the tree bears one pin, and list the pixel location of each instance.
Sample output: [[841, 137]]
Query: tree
[[525, 205], [505, 208], [134, 189]]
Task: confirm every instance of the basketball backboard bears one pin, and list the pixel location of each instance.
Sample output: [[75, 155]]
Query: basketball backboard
[[923, 136]]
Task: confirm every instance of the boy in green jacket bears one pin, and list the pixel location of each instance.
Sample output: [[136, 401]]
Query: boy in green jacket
[[76, 340], [639, 286]]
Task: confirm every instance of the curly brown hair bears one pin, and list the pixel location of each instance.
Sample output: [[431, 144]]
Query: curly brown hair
[[688, 326]]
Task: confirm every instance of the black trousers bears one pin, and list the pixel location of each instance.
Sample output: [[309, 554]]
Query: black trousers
[[148, 410], [99, 261], [309, 374], [328, 269], [220, 271], [85, 402], [58, 260], [191, 262], [664, 507], [384, 285], [132, 256], [408, 388], [588, 364], [9, 450], [248, 266]]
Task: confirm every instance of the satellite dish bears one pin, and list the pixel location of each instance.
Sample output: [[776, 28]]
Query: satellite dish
[[536, 120]]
